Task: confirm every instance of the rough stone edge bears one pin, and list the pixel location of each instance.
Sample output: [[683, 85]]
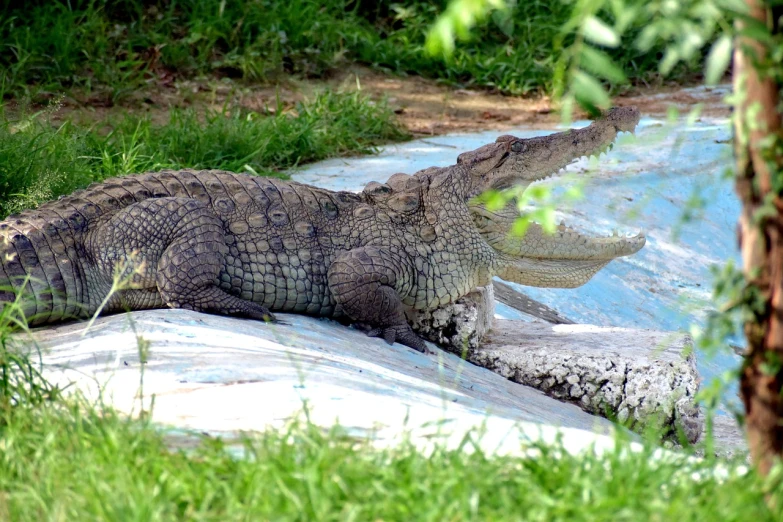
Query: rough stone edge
[[643, 392], [459, 326]]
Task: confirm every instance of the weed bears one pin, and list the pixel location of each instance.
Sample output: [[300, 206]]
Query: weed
[[21, 381]]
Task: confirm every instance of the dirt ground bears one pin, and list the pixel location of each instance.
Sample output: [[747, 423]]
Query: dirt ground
[[428, 108], [424, 107]]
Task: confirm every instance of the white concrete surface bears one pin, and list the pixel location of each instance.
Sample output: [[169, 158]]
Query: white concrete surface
[[220, 375]]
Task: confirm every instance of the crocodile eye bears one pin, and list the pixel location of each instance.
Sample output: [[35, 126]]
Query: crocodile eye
[[518, 146]]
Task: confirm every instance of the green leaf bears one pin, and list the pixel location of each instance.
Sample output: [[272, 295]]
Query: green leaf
[[504, 21], [672, 113], [547, 218], [600, 64], [440, 39], [670, 59], [648, 37], [694, 114], [596, 31], [718, 60], [456, 22], [573, 193], [539, 192], [625, 15], [520, 226], [493, 200], [756, 30], [589, 91]]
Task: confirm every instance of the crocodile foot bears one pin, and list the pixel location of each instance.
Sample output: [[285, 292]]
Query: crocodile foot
[[260, 314], [402, 334]]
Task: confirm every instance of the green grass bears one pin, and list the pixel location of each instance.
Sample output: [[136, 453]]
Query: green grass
[[119, 47], [40, 161], [68, 461]]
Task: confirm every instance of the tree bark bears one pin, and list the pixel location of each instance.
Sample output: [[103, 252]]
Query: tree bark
[[761, 241]]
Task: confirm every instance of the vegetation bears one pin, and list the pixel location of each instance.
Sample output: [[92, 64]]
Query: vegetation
[[39, 161], [67, 459], [759, 154], [749, 297], [101, 52], [118, 47]]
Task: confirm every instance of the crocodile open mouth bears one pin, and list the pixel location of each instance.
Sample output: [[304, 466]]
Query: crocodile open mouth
[[565, 243], [565, 258]]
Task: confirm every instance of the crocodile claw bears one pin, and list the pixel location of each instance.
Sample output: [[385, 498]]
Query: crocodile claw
[[402, 334], [259, 313]]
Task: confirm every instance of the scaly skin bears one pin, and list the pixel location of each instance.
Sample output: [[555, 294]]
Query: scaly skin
[[239, 245]]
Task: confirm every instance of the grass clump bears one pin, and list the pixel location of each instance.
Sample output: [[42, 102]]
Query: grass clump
[[40, 161], [75, 462], [514, 53], [122, 46]]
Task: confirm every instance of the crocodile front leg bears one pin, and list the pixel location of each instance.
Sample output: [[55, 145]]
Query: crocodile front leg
[[367, 283]]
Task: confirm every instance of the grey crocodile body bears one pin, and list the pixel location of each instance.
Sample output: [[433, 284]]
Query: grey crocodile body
[[242, 245]]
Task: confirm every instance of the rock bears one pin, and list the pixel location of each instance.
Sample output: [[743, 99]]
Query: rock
[[222, 375], [459, 326], [641, 377]]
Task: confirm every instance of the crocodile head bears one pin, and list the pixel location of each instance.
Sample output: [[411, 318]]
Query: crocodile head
[[565, 259], [514, 161]]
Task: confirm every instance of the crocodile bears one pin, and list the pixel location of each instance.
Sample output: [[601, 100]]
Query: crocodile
[[242, 245]]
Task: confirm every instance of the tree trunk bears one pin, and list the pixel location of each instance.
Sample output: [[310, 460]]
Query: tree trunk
[[761, 241]]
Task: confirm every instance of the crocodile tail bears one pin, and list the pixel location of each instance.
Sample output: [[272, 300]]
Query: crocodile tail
[[32, 271]]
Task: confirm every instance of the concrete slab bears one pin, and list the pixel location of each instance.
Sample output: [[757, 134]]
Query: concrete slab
[[220, 375], [643, 377], [646, 376]]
